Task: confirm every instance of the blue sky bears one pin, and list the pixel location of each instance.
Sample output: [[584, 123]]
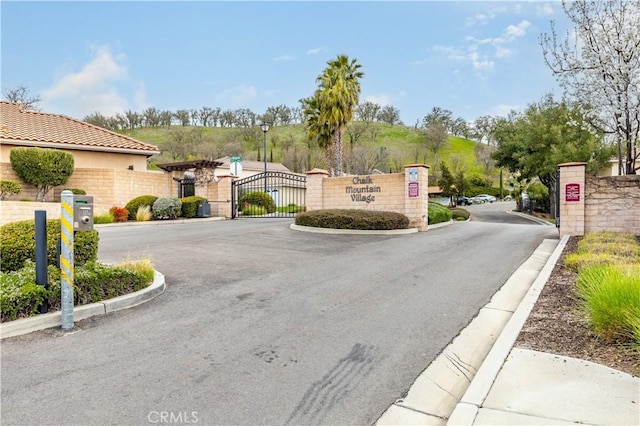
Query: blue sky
[[473, 58]]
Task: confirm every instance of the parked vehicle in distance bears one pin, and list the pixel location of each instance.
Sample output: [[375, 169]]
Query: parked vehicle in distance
[[484, 198], [464, 201]]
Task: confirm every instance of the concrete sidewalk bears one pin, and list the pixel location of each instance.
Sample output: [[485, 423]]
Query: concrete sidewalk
[[481, 379]]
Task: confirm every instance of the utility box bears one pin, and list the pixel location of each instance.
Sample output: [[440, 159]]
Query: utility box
[[82, 212], [204, 209]]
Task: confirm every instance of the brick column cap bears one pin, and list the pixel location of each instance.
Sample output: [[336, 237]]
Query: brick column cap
[[226, 176], [416, 165], [577, 163], [317, 172]]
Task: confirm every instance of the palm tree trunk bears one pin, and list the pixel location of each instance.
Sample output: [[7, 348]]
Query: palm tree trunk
[[337, 153]]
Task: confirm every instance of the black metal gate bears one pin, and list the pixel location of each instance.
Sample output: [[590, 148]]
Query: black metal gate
[[556, 208], [285, 195]]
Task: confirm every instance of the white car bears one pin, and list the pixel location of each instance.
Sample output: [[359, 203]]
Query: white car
[[484, 198]]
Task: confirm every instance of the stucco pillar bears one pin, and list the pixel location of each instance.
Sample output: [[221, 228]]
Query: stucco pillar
[[314, 196], [572, 192], [416, 188], [221, 203]]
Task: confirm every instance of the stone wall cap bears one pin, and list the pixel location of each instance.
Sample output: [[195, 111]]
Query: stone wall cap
[[578, 163], [317, 172], [416, 165]]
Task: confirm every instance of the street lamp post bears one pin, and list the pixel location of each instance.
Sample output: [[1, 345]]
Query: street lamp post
[[265, 129]]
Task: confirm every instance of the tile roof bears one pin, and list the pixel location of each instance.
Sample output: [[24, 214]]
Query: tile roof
[[35, 128], [254, 165]]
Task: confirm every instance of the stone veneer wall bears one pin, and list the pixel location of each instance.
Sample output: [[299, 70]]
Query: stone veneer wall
[[613, 204], [609, 203], [385, 192]]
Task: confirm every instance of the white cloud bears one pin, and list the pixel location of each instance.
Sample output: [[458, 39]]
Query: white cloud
[[92, 89], [316, 50], [503, 110], [480, 19], [482, 53], [284, 58], [237, 97], [545, 10], [382, 100]]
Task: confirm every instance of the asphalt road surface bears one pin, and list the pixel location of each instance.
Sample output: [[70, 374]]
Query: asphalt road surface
[[261, 324]]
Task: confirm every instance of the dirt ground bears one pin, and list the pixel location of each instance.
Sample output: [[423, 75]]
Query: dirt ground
[[557, 326]]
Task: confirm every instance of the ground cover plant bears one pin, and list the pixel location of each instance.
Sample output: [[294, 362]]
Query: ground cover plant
[[353, 219]]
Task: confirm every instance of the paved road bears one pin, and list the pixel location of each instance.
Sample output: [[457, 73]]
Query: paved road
[[261, 324], [496, 213]]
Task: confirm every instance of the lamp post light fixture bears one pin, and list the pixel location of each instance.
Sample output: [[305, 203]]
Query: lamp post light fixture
[[265, 129]]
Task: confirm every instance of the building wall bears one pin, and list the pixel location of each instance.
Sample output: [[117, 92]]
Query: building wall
[[93, 159]]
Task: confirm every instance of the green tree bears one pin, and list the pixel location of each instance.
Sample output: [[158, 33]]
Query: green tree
[[42, 168], [447, 183], [318, 129], [534, 142]]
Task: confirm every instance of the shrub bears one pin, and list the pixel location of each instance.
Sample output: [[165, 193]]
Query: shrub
[[120, 214], [438, 213], [291, 208], [18, 244], [166, 208], [77, 191], [144, 214], [9, 188], [103, 218], [460, 214], [353, 219], [258, 198], [142, 200], [190, 205], [251, 210], [42, 168], [21, 297], [610, 295]]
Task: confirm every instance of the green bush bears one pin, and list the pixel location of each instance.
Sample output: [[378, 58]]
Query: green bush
[[258, 198], [18, 244], [103, 218], [21, 297], [251, 210], [610, 295], [353, 219], [190, 205], [438, 213], [42, 168], [77, 191], [143, 200], [9, 188], [539, 196], [459, 213], [291, 208], [166, 208]]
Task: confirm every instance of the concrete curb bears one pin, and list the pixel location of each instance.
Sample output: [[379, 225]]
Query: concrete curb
[[466, 410], [53, 319], [158, 222], [351, 231], [531, 218], [460, 369]]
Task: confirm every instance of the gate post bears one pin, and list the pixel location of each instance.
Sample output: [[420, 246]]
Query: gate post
[[224, 205], [314, 193], [572, 202], [416, 195]]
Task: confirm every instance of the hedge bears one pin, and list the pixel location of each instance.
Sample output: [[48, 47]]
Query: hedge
[[438, 213], [18, 244], [353, 219]]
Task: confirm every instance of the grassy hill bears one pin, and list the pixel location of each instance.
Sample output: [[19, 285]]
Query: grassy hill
[[366, 146]]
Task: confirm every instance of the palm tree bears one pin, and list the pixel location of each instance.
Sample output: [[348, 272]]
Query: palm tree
[[317, 128], [334, 102]]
